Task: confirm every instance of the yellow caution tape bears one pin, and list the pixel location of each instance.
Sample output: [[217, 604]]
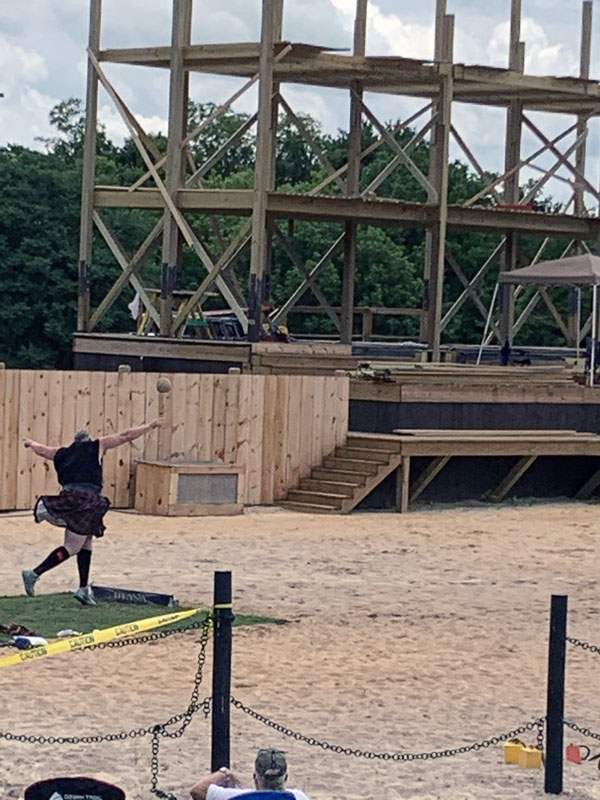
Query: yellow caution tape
[[97, 637]]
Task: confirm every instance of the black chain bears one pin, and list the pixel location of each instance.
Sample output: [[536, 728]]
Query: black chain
[[348, 751], [155, 730], [592, 648], [583, 731]]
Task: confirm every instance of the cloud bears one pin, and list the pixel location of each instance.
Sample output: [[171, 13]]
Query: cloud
[[19, 65], [541, 57]]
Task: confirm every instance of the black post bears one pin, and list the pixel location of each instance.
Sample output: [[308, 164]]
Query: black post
[[555, 707], [223, 620]]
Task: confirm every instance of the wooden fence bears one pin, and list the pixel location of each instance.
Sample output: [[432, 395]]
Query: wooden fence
[[278, 427]]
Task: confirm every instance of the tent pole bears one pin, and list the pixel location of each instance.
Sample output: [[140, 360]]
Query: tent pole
[[578, 342], [594, 333], [487, 323]]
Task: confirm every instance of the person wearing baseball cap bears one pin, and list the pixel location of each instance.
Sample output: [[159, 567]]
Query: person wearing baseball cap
[[270, 774]]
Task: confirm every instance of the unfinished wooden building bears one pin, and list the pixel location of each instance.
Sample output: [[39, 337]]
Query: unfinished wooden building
[[172, 183]]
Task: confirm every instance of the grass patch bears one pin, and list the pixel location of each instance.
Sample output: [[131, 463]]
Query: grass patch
[[51, 613]]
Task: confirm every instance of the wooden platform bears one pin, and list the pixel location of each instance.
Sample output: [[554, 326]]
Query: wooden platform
[[347, 476]]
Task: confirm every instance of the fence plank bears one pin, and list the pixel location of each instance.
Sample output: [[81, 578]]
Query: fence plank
[[206, 418], [280, 444], [178, 399], [294, 428], [123, 453], [254, 492], [25, 456], [218, 420], [232, 410], [110, 426], [150, 443], [192, 417], [40, 467]]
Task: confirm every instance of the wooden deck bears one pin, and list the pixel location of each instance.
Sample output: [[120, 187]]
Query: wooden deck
[[352, 471]]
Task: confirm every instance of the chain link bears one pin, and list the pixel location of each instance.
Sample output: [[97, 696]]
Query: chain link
[[155, 730], [592, 648], [583, 731], [369, 754]]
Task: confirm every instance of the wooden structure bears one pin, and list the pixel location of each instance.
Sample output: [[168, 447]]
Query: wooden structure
[[176, 490], [172, 182], [355, 469], [276, 427]]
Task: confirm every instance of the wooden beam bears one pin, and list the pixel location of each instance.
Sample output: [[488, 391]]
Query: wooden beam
[[311, 282], [257, 291], [395, 147], [88, 173], [128, 266], [515, 474], [311, 141], [589, 487], [427, 476], [402, 485], [435, 243], [298, 293], [175, 166], [353, 177]]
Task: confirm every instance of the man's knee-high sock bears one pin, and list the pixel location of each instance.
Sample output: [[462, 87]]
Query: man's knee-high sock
[[55, 558], [84, 558]]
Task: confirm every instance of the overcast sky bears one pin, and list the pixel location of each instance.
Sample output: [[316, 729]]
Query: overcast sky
[[42, 59]]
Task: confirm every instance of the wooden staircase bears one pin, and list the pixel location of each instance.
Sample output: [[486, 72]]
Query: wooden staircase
[[347, 476]]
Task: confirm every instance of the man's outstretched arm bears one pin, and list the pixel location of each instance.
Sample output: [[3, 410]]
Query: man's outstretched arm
[[41, 449], [117, 439]]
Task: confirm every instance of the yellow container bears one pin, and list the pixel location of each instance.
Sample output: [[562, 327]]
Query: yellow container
[[512, 750], [530, 758]]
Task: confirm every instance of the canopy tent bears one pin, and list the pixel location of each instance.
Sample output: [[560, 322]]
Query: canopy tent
[[582, 270], [574, 271]]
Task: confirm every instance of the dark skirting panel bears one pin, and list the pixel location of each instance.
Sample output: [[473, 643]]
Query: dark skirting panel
[[102, 362], [372, 416]]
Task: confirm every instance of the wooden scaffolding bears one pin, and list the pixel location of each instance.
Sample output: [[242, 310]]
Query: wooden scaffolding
[[172, 182]]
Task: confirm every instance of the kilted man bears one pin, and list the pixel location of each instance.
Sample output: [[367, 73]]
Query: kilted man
[[80, 507]]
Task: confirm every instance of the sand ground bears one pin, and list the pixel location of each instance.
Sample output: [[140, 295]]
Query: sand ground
[[404, 633]]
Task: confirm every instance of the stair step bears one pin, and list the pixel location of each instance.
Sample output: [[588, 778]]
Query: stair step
[[384, 445], [363, 454], [335, 487], [342, 475], [316, 498], [309, 509], [351, 465]]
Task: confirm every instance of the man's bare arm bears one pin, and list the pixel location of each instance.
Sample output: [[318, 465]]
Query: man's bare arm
[[41, 449], [222, 777], [117, 439]]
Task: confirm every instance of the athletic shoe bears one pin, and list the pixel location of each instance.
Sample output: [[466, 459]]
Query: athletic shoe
[[29, 579], [85, 596]]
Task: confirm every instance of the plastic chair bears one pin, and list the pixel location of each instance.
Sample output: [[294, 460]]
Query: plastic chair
[[74, 788]]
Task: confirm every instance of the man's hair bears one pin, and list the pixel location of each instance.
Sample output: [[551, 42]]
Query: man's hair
[[271, 767], [81, 436]]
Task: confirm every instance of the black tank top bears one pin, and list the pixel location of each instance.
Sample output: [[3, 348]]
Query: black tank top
[[79, 463]]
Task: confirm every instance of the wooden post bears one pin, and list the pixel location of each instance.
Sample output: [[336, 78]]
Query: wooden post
[[438, 51], [178, 104], [221, 687], [580, 163], [512, 158], [553, 782], [262, 173], [86, 229], [353, 178], [435, 250]]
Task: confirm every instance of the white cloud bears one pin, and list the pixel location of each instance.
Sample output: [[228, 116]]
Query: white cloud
[[541, 57], [18, 64]]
